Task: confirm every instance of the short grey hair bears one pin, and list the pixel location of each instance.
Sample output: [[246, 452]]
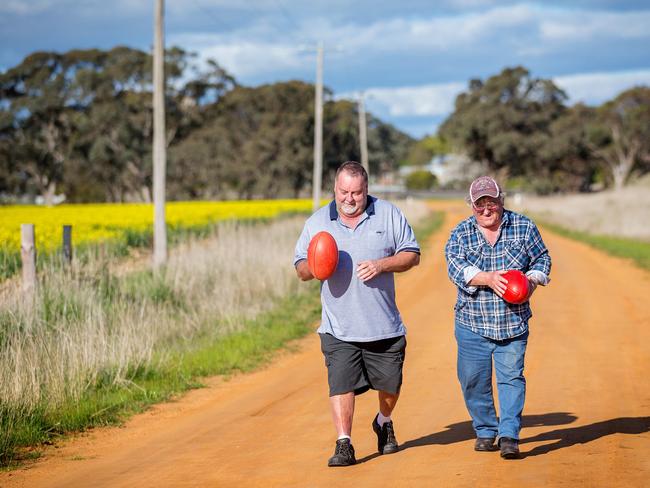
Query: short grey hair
[[353, 168]]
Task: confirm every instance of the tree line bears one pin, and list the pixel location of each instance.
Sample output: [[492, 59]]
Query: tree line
[[80, 123], [521, 127]]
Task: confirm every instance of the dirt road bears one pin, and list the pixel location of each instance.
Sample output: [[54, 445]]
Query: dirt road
[[586, 421]]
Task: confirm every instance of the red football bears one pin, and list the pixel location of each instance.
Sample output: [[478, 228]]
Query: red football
[[517, 287], [322, 255]]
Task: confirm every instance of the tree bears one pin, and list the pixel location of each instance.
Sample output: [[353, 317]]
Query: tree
[[620, 136], [258, 142], [503, 122], [569, 162], [81, 121], [387, 146], [421, 180], [39, 103], [426, 148]]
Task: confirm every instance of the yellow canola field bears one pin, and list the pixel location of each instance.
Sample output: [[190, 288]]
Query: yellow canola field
[[109, 221]]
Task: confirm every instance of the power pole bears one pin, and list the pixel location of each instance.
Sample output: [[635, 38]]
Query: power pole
[[159, 149], [363, 137], [318, 131]]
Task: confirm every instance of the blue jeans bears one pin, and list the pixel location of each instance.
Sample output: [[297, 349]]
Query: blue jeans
[[475, 354]]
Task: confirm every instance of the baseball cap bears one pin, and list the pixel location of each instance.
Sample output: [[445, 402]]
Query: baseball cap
[[483, 186]]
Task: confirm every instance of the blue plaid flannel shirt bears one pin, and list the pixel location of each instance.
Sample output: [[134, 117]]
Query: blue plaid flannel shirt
[[518, 246]]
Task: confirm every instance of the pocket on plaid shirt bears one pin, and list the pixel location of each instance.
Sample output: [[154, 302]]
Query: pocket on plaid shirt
[[516, 256]]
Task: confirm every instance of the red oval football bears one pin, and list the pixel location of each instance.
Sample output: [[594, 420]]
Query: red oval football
[[322, 255], [517, 287]]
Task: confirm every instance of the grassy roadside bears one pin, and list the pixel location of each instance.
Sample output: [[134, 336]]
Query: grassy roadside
[[636, 250], [428, 226], [109, 402]]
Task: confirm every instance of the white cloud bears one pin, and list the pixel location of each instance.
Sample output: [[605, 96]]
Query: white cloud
[[260, 49], [250, 58], [245, 58], [596, 88], [523, 28], [582, 25], [423, 100], [437, 33]]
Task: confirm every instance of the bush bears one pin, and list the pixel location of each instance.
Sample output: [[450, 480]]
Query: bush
[[421, 180]]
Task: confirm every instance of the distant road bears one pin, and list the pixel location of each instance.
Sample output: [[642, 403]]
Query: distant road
[[586, 422]]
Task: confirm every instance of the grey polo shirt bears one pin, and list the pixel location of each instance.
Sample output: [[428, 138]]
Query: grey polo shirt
[[355, 311]]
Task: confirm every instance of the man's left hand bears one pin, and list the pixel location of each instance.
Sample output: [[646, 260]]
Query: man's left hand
[[367, 270], [531, 288]]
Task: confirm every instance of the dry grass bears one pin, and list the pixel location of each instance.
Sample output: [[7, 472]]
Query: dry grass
[[87, 326], [625, 213], [414, 210]]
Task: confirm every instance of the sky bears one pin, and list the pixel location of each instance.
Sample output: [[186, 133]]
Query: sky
[[410, 58]]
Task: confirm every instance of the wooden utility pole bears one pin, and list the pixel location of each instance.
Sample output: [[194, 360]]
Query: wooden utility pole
[[363, 136], [159, 146], [318, 131]]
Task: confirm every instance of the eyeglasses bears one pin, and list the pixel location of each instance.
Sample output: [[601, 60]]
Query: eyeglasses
[[491, 206]]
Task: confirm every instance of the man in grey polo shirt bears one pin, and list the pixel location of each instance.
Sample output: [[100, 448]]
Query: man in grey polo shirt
[[361, 331]]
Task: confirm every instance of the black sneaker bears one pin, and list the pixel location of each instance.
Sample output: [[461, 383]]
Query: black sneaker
[[386, 442], [509, 448], [343, 454]]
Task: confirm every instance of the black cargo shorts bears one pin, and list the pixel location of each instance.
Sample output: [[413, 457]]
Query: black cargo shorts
[[359, 366]]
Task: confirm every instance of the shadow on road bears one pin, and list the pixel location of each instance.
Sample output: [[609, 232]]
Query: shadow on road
[[566, 437], [586, 433], [462, 431]]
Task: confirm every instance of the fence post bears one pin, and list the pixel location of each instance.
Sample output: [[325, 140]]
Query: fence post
[[67, 244], [28, 256]]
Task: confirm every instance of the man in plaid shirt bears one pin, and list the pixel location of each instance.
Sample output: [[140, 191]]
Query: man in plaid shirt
[[479, 251]]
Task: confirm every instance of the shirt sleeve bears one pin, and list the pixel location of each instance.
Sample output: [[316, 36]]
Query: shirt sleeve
[[404, 236], [457, 264], [300, 253], [538, 277], [540, 259], [468, 275]]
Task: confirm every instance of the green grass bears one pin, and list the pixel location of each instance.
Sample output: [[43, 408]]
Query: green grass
[[428, 226], [107, 403], [636, 250]]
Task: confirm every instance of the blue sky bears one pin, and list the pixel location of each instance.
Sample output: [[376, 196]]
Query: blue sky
[[410, 57]]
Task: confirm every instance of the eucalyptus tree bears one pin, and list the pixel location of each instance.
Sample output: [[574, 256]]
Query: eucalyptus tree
[[620, 135], [40, 105], [258, 142], [81, 121], [504, 121]]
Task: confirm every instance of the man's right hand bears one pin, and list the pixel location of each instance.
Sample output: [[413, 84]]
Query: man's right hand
[[303, 271], [493, 279]]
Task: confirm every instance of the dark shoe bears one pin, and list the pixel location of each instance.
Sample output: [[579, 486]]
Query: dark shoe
[[485, 444], [343, 454], [386, 442], [509, 448]]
